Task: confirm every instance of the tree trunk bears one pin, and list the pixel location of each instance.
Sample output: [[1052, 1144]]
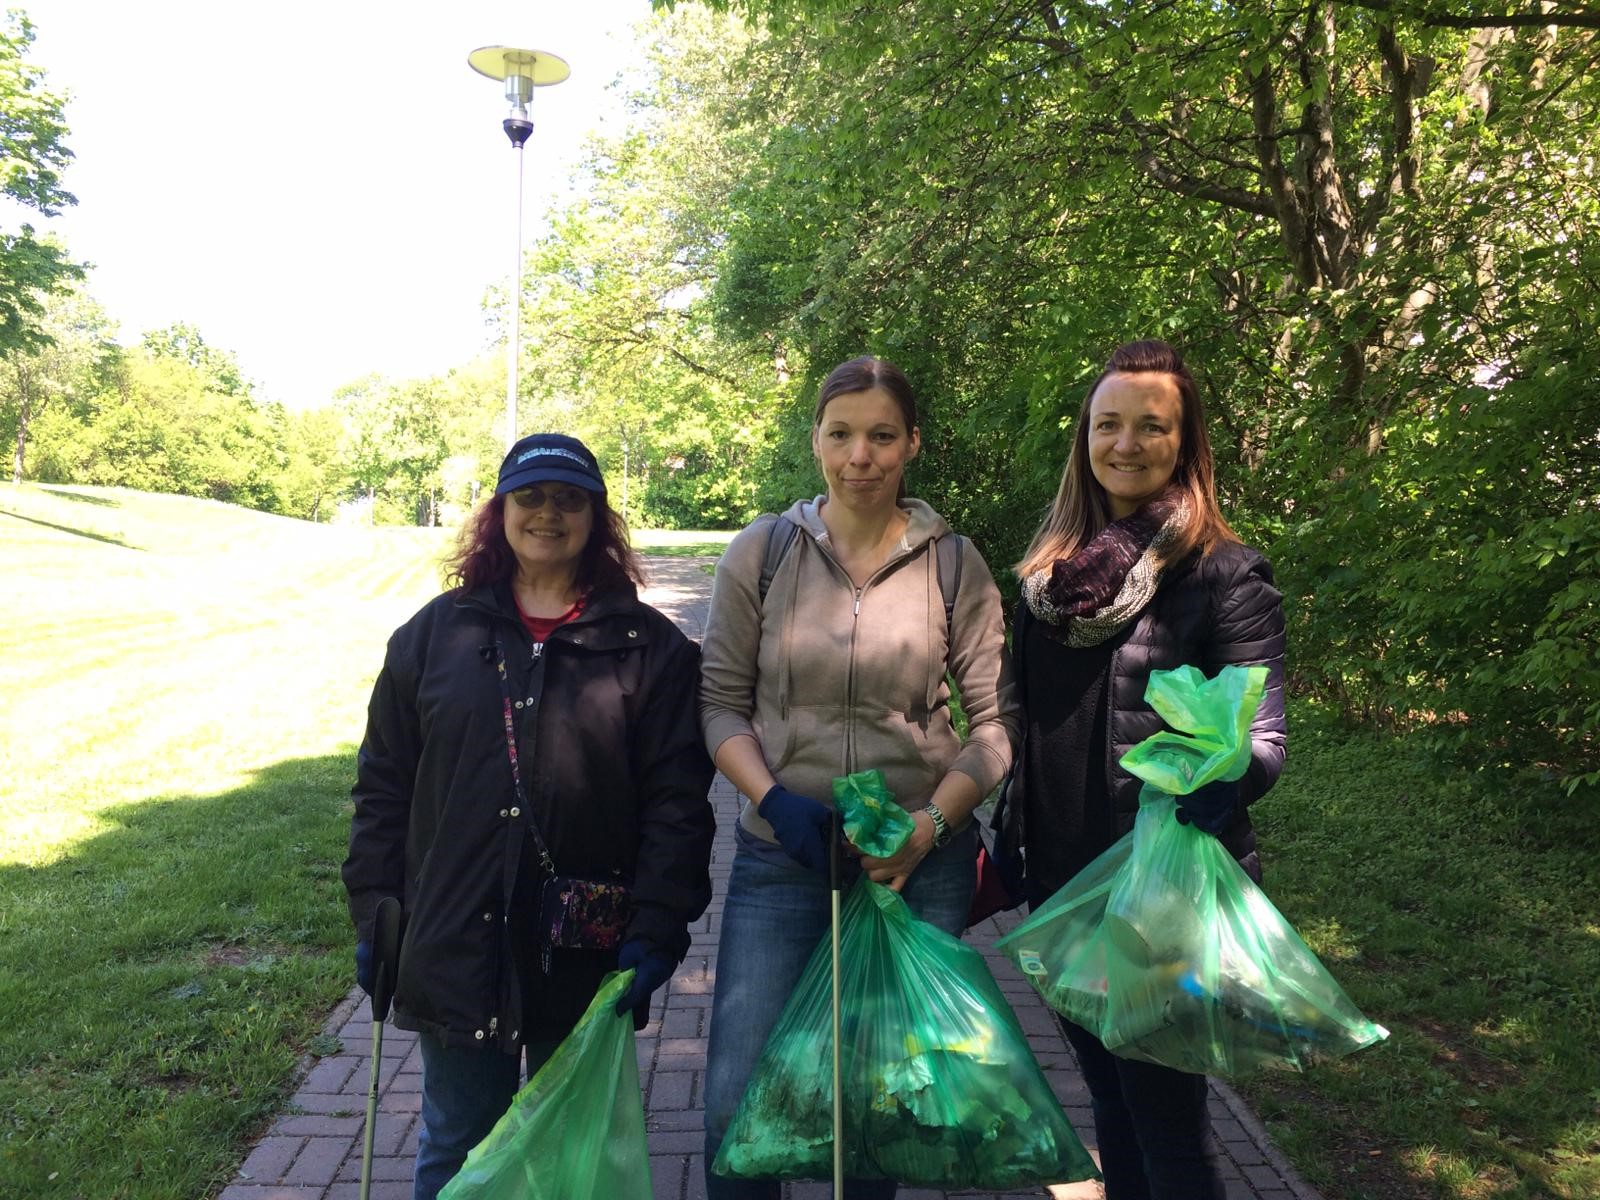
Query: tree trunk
[[25, 408]]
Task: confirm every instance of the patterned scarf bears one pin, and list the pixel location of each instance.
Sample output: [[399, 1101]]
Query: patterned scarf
[[1111, 578]]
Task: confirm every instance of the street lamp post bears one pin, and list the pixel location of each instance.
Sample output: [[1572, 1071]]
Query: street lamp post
[[522, 71]]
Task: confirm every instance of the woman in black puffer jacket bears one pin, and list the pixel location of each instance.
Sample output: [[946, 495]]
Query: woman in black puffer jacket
[[1134, 570]]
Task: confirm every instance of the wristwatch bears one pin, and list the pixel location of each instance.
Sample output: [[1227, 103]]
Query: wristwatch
[[941, 828]]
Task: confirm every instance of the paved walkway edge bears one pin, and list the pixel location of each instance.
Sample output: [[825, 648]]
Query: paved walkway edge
[[1241, 1111]]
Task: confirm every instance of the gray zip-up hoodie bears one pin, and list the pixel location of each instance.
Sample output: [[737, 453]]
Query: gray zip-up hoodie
[[832, 680]]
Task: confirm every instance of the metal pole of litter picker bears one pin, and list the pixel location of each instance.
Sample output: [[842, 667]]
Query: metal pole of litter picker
[[385, 963], [838, 1023]]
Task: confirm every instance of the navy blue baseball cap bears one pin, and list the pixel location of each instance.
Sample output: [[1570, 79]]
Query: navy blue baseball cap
[[550, 458]]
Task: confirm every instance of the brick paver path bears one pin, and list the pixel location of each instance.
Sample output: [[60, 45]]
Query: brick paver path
[[313, 1152]]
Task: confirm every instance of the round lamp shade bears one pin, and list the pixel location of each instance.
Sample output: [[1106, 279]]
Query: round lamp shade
[[506, 62]]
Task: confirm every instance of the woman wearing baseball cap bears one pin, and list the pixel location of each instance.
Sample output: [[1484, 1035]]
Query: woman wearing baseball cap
[[532, 785]]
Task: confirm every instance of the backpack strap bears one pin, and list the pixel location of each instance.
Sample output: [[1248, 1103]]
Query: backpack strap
[[780, 536], [950, 550]]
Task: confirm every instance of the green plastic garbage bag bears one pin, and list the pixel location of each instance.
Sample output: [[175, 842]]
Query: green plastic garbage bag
[[873, 822], [940, 1088], [1210, 734], [1163, 947], [576, 1129]]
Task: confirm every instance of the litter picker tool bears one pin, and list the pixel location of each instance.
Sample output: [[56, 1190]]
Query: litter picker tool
[[385, 961], [834, 837]]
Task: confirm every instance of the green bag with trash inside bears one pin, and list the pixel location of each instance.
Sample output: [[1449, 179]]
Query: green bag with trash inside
[[1163, 947], [576, 1129], [939, 1086], [873, 823]]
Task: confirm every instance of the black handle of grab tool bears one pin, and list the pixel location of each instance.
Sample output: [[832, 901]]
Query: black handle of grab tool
[[385, 956]]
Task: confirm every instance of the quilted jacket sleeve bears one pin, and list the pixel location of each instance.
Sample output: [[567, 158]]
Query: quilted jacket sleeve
[[1248, 630]]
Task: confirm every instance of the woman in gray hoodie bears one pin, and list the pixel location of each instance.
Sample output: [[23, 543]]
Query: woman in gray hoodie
[[837, 663]]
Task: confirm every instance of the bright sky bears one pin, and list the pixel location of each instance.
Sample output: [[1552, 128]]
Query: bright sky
[[320, 186]]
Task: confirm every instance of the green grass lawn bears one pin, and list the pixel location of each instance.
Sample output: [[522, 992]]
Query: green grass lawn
[[181, 686], [1465, 919], [679, 543]]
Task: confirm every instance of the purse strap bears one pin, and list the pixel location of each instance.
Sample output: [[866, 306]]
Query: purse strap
[[511, 752]]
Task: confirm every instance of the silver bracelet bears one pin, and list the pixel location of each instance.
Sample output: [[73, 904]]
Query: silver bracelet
[[941, 828]]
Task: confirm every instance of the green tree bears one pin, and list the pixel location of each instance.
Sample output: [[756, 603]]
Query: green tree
[[145, 419], [313, 475], [467, 400], [182, 342], [161, 429], [32, 267], [393, 447], [66, 369], [620, 340], [1368, 225]]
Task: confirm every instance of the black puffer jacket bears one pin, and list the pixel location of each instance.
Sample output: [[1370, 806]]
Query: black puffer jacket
[[609, 744], [1209, 611]]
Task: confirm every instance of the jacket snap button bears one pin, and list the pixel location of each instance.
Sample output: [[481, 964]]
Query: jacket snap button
[[478, 1034], [502, 812], [529, 701], [633, 633], [577, 641], [488, 916], [516, 812], [519, 703]]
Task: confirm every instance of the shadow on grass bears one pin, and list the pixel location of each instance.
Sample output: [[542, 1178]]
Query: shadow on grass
[[84, 533], [81, 497], [161, 979], [1460, 916]]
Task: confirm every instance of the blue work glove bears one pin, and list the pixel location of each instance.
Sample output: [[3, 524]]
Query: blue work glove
[[801, 823], [364, 965], [651, 968], [1211, 808]]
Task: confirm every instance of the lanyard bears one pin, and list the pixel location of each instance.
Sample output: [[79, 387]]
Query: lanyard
[[511, 751]]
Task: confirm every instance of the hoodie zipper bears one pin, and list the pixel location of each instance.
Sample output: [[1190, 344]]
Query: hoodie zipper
[[850, 684], [855, 623]]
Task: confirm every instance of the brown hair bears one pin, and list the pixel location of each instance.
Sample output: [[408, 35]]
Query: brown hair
[[1081, 509], [862, 375], [483, 556]]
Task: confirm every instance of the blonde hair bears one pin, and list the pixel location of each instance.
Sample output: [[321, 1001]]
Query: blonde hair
[[1081, 508]]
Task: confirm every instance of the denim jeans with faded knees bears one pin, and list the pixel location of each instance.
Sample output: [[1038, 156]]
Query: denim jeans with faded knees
[[775, 914], [1152, 1125], [465, 1090]]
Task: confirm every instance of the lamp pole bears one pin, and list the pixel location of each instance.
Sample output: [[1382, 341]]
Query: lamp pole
[[521, 71]]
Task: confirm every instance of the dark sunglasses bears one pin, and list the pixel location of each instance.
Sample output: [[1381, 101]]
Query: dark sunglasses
[[567, 499]]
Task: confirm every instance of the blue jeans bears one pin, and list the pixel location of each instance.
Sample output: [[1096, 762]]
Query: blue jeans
[[775, 914], [465, 1090], [1151, 1123]]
